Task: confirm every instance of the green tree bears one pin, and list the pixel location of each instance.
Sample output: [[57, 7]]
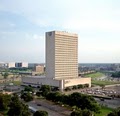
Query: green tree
[[80, 112], [80, 86], [27, 97], [4, 101], [17, 108], [76, 113], [5, 76], [29, 89], [83, 101], [87, 112], [75, 87], [45, 89], [40, 113]]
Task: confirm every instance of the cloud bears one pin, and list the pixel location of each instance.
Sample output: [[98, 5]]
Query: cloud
[[33, 36]]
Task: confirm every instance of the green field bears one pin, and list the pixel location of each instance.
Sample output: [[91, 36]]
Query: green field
[[95, 75], [1, 76], [17, 82], [100, 83], [104, 111]]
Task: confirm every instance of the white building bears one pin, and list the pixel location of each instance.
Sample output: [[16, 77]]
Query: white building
[[21, 65], [11, 65]]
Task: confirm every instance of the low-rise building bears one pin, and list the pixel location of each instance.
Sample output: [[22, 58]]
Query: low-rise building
[[21, 65], [39, 69], [11, 65], [60, 83]]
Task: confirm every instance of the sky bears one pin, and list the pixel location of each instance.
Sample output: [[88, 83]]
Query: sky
[[23, 24]]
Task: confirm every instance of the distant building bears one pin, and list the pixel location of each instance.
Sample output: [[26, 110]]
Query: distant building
[[21, 65], [11, 65], [39, 69], [116, 67], [2, 64], [33, 65]]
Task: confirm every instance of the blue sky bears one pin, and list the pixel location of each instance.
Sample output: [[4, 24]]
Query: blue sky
[[23, 24]]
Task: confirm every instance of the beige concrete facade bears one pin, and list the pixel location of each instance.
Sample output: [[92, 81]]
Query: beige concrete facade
[[61, 55], [39, 80], [62, 83], [77, 81], [39, 69]]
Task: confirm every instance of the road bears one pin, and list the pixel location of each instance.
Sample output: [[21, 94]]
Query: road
[[51, 108], [113, 103]]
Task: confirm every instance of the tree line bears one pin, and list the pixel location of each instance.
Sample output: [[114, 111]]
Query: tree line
[[116, 74]]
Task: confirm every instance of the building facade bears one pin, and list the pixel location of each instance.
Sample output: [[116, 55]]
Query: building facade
[[39, 69], [21, 65], [61, 55], [11, 65]]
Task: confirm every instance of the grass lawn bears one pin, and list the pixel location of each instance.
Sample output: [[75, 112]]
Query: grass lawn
[[17, 82], [98, 82], [1, 77], [95, 75], [104, 111]]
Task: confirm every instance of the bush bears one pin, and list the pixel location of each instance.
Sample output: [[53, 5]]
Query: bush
[[67, 89], [75, 87], [80, 86], [86, 85], [40, 113], [38, 93]]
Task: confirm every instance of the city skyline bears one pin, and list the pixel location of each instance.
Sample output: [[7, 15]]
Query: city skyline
[[23, 25]]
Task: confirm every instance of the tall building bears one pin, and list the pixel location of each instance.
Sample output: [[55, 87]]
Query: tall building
[[61, 55], [61, 62]]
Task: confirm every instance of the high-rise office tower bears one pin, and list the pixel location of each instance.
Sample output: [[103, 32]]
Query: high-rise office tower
[[61, 55], [61, 62]]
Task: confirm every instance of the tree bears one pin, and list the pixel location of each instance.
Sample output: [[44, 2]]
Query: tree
[[76, 113], [27, 97], [80, 86], [75, 87], [5, 75], [28, 89], [40, 113], [17, 108], [80, 112], [87, 112], [45, 89], [67, 89], [83, 101], [4, 101], [86, 85], [103, 86]]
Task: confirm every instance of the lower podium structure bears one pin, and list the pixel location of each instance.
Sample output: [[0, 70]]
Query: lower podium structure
[[36, 81]]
